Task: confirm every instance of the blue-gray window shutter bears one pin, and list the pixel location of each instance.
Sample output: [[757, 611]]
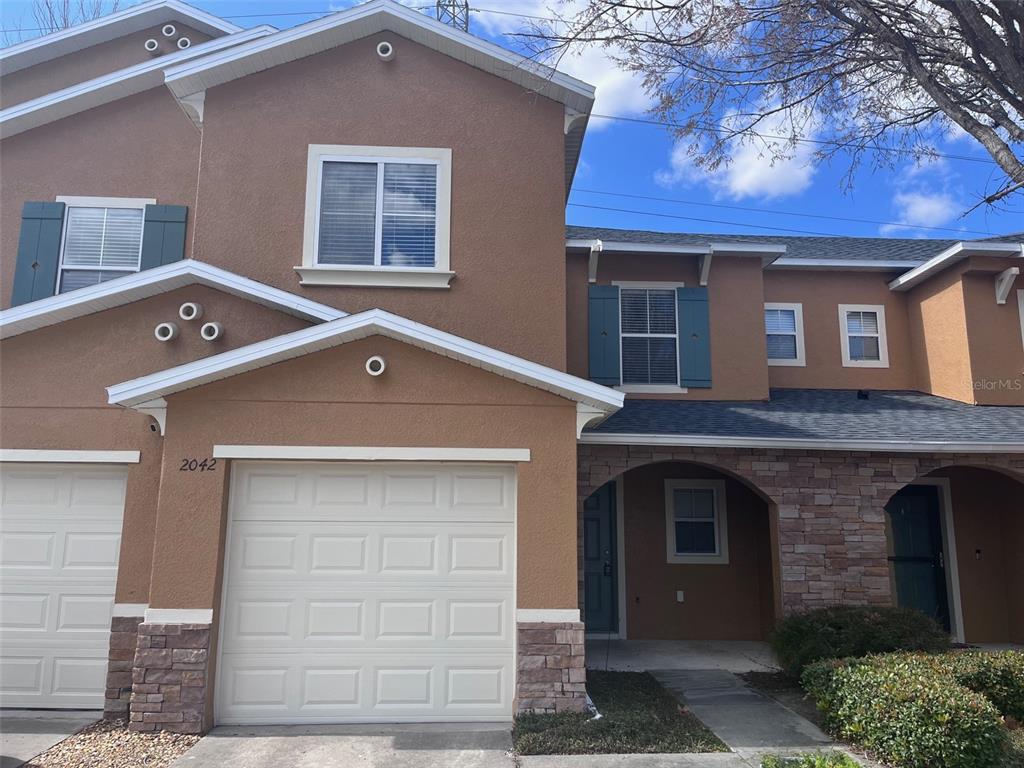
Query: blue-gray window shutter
[[35, 273], [603, 309], [163, 235], [694, 337]]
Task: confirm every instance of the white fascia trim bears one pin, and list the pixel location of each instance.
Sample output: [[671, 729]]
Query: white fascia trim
[[368, 19], [111, 87], [345, 329], [547, 615], [951, 255], [758, 249], [179, 616], [130, 610], [29, 455], [618, 246], [714, 441], [369, 453], [853, 265], [150, 282], [107, 28]]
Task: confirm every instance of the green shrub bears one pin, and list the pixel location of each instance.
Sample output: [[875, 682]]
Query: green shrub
[[810, 760], [909, 710], [999, 676], [844, 631]]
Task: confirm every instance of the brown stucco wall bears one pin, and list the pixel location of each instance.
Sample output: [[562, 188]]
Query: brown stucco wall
[[744, 584], [939, 335], [996, 347], [141, 146], [739, 370], [821, 293], [88, 63], [987, 511], [52, 394], [326, 398], [507, 217]]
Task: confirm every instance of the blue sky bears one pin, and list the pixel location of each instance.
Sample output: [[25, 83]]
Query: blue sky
[[633, 175]]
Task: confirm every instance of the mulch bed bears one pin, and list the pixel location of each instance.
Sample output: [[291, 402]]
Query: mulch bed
[[638, 716], [109, 744]]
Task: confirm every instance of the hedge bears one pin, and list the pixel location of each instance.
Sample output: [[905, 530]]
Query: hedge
[[844, 631], [921, 711]]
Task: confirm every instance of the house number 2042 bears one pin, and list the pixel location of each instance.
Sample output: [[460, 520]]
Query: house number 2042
[[198, 465]]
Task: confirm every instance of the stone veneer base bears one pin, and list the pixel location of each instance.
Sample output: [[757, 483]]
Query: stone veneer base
[[170, 678], [124, 638], [551, 667]]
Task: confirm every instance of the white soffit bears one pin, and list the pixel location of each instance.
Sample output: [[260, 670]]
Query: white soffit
[[150, 282], [107, 28], [950, 256], [377, 16], [337, 332], [110, 87]]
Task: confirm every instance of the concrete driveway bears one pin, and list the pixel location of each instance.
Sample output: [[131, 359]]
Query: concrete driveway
[[353, 746], [24, 733]]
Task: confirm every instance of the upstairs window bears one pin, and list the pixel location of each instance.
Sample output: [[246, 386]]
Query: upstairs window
[[862, 327], [784, 333], [377, 216], [650, 342], [102, 240]]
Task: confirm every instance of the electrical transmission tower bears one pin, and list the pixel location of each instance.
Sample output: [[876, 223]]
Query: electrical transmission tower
[[454, 12]]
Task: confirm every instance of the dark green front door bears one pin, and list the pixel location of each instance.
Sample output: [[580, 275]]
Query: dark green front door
[[917, 560], [600, 590]]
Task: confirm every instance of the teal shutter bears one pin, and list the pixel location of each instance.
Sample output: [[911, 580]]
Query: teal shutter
[[163, 235], [35, 274], [694, 337], [603, 335]]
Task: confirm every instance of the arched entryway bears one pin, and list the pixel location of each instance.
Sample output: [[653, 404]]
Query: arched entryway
[[955, 541], [677, 550]]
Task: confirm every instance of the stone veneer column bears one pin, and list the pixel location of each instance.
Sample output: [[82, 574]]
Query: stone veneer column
[[170, 678], [551, 667], [124, 636]]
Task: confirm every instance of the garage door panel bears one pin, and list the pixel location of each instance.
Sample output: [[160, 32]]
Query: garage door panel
[[368, 593]]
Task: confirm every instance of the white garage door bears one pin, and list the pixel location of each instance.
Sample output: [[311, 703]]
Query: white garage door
[[368, 593], [60, 534]]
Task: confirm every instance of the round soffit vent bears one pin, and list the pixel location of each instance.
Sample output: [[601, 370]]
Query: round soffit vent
[[385, 50], [166, 331], [376, 365]]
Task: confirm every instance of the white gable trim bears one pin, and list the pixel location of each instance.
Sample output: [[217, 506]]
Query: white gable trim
[[150, 282], [950, 256], [107, 28], [337, 332], [368, 19], [116, 85]]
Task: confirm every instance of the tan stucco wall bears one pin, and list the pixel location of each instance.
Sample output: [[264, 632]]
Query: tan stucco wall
[[988, 508], [326, 398], [739, 370], [721, 602], [141, 146], [508, 197], [939, 335], [821, 293], [52, 394], [88, 63], [996, 347]]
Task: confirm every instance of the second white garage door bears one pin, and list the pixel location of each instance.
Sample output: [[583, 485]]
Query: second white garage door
[[368, 593]]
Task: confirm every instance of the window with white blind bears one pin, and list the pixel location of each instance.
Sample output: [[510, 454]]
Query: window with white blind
[[102, 240], [696, 523], [377, 216], [862, 328], [649, 336], [784, 333]]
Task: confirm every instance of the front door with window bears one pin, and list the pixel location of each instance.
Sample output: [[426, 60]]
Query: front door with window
[[918, 563], [599, 561]]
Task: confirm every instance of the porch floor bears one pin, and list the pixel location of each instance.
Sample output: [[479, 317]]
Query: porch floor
[[639, 655]]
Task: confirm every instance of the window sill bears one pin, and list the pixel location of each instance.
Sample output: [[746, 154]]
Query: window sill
[[652, 389], [787, 363], [376, 277], [865, 364], [720, 559]]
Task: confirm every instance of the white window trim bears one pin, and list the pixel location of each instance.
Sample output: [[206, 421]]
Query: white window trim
[[1020, 313], [438, 276], [76, 201], [721, 556], [883, 346], [798, 314], [650, 389]]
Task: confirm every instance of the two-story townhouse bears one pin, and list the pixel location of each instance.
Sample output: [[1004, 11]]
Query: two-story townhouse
[[311, 409]]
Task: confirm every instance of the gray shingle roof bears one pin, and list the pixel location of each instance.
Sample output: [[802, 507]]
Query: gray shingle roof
[[797, 247], [823, 414]]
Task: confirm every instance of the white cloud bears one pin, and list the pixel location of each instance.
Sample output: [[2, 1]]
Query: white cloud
[[922, 209]]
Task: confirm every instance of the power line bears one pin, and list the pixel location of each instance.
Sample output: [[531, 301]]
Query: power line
[[778, 212], [704, 221]]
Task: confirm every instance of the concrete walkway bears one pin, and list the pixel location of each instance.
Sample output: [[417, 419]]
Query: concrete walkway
[[642, 655], [25, 733]]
